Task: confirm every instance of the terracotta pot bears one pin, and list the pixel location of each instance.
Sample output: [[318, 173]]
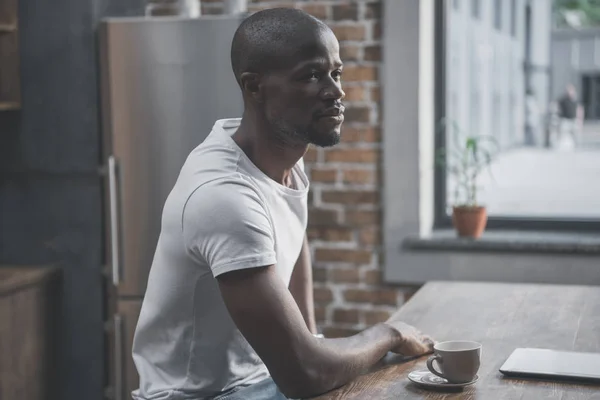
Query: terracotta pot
[[469, 221]]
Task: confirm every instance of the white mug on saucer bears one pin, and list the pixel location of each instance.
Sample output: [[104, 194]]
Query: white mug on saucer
[[458, 361]]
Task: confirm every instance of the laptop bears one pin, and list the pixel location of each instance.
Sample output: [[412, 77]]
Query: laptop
[[553, 365]]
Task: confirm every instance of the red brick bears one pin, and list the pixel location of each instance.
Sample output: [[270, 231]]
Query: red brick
[[322, 295], [373, 11], [259, 7], [318, 217], [376, 316], [372, 277], [386, 296], [345, 316], [352, 155], [407, 293], [346, 275], [360, 73], [320, 314], [350, 196], [335, 332], [352, 134], [358, 176], [357, 114], [316, 10], [349, 32], [323, 175], [376, 94], [343, 255], [345, 12], [362, 217], [310, 155], [378, 296], [377, 31], [354, 93], [330, 234], [319, 274], [370, 236], [310, 197], [373, 53], [358, 296], [349, 52]]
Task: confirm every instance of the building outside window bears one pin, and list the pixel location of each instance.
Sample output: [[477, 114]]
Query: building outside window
[[544, 173], [513, 18], [498, 14], [476, 8]]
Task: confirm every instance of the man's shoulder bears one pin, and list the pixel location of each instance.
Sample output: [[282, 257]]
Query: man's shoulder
[[233, 185], [225, 195]]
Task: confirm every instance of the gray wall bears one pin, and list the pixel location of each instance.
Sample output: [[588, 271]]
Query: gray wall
[[50, 191]]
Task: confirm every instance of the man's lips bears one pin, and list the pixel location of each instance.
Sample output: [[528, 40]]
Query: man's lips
[[332, 112]]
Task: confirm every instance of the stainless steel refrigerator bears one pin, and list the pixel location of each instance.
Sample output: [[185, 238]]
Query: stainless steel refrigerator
[[164, 83]]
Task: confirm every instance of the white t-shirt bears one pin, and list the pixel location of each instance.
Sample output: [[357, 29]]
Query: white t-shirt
[[223, 214]]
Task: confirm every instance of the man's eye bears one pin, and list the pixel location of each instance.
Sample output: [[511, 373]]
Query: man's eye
[[337, 75]]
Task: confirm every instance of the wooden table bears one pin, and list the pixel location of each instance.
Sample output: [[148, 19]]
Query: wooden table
[[501, 317]]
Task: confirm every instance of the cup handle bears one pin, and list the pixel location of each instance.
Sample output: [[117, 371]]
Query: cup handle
[[432, 368]]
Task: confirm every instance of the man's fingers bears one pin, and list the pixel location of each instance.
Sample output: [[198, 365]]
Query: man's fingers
[[428, 342]]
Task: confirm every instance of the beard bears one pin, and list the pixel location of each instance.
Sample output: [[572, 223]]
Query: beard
[[291, 135]]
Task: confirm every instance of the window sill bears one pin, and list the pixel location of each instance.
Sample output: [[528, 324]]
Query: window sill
[[508, 242]]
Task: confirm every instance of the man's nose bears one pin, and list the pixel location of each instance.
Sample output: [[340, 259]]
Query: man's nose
[[334, 92]]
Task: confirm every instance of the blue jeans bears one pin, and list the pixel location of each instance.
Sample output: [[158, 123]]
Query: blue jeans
[[263, 390]]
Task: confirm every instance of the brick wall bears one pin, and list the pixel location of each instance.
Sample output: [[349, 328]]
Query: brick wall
[[345, 206]]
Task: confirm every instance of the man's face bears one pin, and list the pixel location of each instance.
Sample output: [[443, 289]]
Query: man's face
[[303, 100]]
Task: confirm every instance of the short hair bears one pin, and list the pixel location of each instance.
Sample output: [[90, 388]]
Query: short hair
[[263, 40]]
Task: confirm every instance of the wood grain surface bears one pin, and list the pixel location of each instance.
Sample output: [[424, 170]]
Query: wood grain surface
[[29, 307], [502, 317]]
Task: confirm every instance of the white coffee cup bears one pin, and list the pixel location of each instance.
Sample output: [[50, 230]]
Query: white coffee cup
[[458, 361]]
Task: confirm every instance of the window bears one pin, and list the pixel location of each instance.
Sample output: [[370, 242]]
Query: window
[[476, 8], [591, 96], [543, 172], [513, 18], [498, 14]]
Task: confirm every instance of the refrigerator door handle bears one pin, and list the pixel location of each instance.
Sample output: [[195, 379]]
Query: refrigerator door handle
[[114, 220], [118, 357]]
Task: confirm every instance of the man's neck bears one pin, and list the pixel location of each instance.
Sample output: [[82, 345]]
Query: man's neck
[[274, 157]]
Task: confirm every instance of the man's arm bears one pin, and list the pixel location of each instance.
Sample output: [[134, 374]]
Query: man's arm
[[301, 287], [301, 365]]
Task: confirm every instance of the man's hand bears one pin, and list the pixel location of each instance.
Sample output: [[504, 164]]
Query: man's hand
[[412, 341]]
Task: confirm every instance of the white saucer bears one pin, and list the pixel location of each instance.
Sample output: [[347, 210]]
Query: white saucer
[[427, 379]]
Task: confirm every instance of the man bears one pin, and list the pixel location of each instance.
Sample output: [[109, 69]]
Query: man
[[571, 115], [228, 313]]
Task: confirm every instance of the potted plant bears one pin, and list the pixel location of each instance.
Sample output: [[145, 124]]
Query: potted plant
[[465, 157]]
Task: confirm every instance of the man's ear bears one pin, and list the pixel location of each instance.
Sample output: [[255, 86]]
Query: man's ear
[[251, 85]]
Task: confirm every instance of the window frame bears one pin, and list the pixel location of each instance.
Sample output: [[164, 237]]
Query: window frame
[[441, 220]]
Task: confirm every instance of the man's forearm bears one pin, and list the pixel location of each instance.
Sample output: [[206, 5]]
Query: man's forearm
[[341, 360], [301, 287]]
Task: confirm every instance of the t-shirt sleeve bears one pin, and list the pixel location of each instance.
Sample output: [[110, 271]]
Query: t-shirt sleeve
[[225, 223]]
